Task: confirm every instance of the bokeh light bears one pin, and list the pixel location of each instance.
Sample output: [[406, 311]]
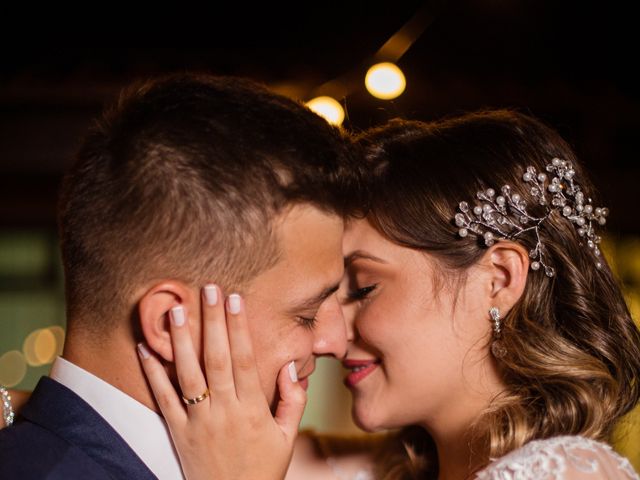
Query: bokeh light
[[328, 108], [29, 348], [13, 368], [385, 81], [58, 333], [43, 345]]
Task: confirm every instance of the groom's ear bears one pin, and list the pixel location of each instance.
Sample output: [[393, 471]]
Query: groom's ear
[[153, 310]]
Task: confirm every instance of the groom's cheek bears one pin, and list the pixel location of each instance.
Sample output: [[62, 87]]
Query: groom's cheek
[[269, 362], [268, 380]]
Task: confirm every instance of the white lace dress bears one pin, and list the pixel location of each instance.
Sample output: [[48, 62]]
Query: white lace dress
[[560, 458]]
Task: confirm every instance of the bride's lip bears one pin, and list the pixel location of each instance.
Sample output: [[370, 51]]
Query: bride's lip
[[354, 362], [360, 369]]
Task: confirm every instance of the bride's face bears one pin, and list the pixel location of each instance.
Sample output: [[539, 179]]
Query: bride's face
[[414, 357]]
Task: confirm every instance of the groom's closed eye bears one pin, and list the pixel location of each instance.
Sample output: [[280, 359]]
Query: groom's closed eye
[[308, 322], [306, 310]]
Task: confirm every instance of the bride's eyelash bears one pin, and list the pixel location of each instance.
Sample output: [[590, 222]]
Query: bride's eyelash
[[361, 293]]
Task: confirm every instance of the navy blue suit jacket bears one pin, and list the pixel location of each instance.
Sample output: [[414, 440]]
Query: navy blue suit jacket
[[59, 436]]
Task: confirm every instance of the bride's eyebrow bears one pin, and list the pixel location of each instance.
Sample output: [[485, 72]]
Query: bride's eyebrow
[[361, 254]]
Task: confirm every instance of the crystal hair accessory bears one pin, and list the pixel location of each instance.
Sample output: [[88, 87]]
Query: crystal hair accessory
[[504, 216]]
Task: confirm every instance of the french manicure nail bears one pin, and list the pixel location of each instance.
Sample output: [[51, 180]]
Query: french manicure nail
[[211, 294], [143, 352], [234, 303], [177, 315], [293, 373]]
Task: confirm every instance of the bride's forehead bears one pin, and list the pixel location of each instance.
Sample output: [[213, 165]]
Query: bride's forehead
[[360, 232], [360, 235]]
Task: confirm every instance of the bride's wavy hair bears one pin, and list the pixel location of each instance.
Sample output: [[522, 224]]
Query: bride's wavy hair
[[573, 361]]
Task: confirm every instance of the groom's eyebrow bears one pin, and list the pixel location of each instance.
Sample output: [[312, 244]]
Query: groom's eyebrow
[[315, 301]]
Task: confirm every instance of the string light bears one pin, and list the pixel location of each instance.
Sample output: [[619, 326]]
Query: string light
[[385, 81], [328, 108]]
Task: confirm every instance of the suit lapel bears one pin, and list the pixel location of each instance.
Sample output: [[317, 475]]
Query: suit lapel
[[56, 408]]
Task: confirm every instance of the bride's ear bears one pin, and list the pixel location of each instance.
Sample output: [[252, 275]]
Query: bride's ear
[[509, 264], [153, 311]]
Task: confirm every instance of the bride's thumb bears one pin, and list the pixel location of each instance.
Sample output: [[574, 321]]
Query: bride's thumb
[[293, 399]]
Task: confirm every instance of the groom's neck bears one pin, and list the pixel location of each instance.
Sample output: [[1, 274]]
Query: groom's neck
[[113, 360]]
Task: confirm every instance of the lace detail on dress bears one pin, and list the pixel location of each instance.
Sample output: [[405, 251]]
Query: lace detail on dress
[[339, 473], [560, 458]]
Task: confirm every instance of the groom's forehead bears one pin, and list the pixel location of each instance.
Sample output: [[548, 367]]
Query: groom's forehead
[[310, 260], [310, 236]]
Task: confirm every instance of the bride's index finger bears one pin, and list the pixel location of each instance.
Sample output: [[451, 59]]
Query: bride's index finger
[[217, 357]]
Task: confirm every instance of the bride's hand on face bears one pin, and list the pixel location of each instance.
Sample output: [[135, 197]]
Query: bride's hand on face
[[231, 434]]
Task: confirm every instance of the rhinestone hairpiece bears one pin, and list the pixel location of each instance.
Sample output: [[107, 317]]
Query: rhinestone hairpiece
[[504, 216]]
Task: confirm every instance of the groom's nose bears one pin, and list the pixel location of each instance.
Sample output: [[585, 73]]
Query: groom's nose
[[330, 333]]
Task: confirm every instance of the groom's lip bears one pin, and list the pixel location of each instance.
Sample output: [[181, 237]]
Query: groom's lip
[[304, 379], [304, 382]]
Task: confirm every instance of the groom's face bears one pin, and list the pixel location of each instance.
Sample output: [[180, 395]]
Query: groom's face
[[292, 308]]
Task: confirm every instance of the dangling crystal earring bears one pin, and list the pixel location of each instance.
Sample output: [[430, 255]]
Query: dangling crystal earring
[[497, 347]]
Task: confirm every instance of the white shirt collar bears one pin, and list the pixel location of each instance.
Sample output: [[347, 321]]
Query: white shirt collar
[[144, 430]]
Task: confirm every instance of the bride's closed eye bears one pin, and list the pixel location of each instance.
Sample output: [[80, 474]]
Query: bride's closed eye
[[361, 293]]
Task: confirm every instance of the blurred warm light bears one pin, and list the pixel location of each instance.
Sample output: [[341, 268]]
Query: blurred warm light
[[385, 81], [610, 253], [328, 108], [13, 368], [58, 333], [29, 348], [630, 266], [633, 301], [43, 345]]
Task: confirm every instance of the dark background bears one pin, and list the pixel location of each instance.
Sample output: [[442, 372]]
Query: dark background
[[572, 64]]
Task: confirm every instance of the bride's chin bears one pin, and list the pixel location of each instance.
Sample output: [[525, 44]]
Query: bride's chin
[[365, 419]]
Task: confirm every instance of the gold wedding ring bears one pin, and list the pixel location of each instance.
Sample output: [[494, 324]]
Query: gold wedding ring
[[198, 399]]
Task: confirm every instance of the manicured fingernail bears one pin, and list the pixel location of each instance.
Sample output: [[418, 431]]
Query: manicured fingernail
[[211, 294], [177, 315], [143, 352], [293, 373], [234, 303]]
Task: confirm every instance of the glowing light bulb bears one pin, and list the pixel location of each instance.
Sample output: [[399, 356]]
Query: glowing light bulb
[[385, 81], [328, 108]]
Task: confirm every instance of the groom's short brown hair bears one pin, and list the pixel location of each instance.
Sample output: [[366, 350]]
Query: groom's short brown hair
[[181, 178]]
